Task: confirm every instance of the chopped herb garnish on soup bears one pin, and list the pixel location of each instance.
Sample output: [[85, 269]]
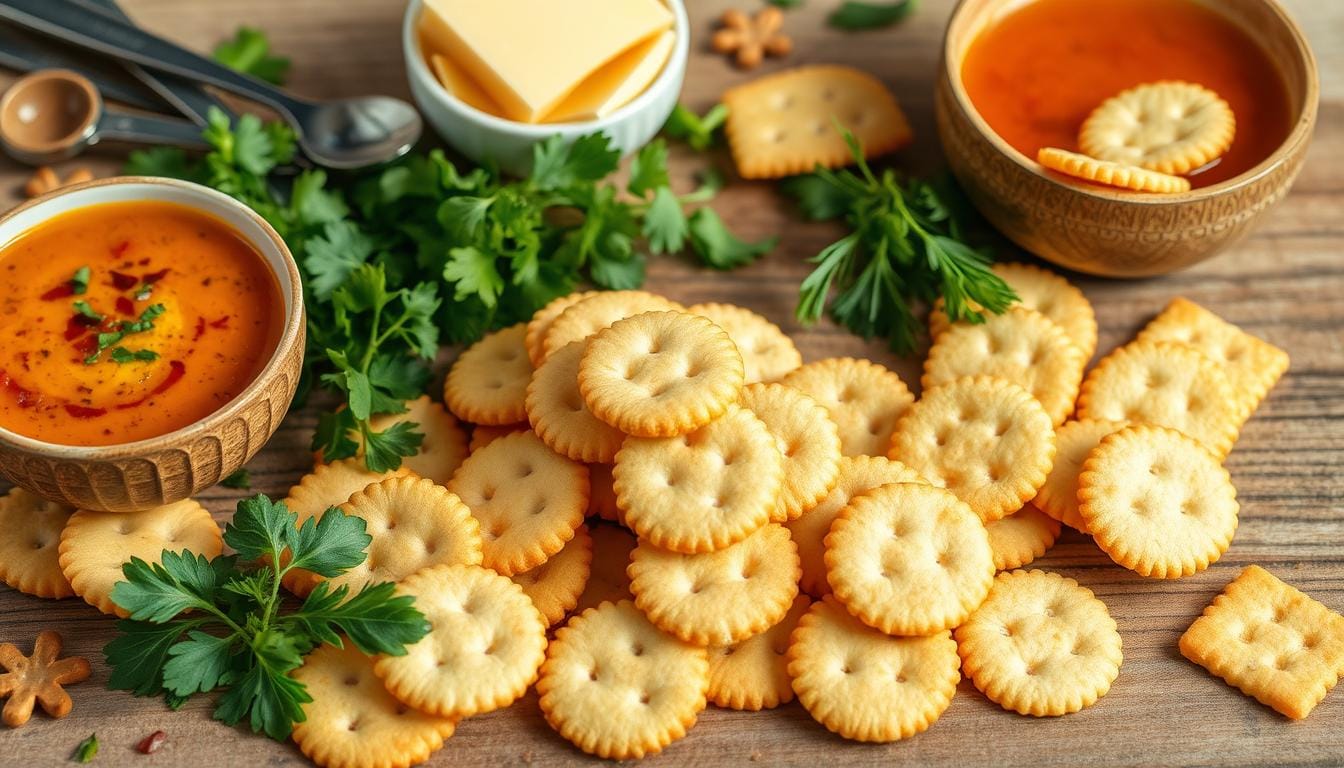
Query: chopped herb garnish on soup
[[124, 355], [79, 282], [83, 309]]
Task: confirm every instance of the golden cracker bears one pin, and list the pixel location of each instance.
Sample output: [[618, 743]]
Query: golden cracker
[[1022, 346], [413, 523], [1158, 502], [29, 547], [608, 576], [1021, 537], [94, 545], [767, 352], [785, 123], [660, 374], [588, 316], [1110, 174], [561, 418], [984, 439], [485, 434], [1252, 366], [867, 686], [1074, 440], [808, 440], [753, 674], [702, 491], [602, 498], [721, 597], [1047, 293], [330, 485], [485, 644], [618, 688], [527, 498], [1168, 126], [444, 446], [353, 722], [542, 319], [555, 585], [863, 398], [858, 474], [909, 559], [1166, 384], [1271, 641], [1040, 645], [488, 382]]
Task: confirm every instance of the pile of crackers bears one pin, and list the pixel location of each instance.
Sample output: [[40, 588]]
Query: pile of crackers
[[660, 507]]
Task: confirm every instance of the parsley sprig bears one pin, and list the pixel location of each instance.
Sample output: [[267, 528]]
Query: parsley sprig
[[198, 625], [904, 245]]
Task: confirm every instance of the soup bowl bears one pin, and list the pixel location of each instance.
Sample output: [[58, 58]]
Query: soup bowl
[[1116, 233], [173, 466]]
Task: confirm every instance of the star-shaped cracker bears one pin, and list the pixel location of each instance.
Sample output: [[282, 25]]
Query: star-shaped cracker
[[751, 38], [38, 678]]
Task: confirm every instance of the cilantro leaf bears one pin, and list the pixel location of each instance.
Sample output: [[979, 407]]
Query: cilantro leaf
[[332, 436], [170, 162], [648, 171], [383, 450], [699, 132], [556, 164], [198, 664], [375, 619], [402, 377], [329, 545], [312, 203], [719, 248], [473, 273], [249, 52], [240, 479], [665, 224], [863, 15], [259, 528]]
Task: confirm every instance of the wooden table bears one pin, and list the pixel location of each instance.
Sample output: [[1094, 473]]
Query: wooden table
[[1286, 284]]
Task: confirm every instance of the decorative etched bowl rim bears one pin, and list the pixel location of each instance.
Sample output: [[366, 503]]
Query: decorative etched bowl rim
[[211, 202], [1304, 120]]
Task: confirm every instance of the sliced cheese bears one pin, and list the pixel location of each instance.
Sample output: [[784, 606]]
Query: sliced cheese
[[618, 83], [460, 84], [528, 55]]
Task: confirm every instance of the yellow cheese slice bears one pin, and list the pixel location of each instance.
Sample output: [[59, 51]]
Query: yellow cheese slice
[[528, 55], [616, 84], [460, 84]]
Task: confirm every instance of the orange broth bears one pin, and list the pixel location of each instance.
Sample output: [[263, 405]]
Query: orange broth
[[1038, 72], [221, 320]]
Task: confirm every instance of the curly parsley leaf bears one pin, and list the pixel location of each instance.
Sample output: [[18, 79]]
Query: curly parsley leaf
[[249, 52]]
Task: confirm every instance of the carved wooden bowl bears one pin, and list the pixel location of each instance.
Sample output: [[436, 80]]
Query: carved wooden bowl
[[161, 470], [1118, 233]]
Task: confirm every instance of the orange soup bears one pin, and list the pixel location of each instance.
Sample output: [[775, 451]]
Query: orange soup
[[124, 321], [1037, 73]]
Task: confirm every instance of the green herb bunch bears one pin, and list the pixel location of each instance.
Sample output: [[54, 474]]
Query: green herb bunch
[[199, 624]]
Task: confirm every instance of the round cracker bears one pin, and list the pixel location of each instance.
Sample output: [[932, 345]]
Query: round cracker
[[1040, 645], [485, 434], [909, 559], [555, 585], [527, 498], [413, 523], [721, 597], [701, 491], [444, 446], [1021, 537], [1166, 384], [660, 374], [94, 545], [485, 644], [1110, 174], [602, 498], [330, 485], [1047, 293], [608, 575], [753, 674], [1168, 126], [353, 722], [542, 319], [863, 398], [1058, 497], [985, 439], [618, 688], [806, 437], [488, 382], [1158, 502], [585, 318], [560, 416], [767, 352], [1020, 345], [867, 686], [29, 547], [857, 475]]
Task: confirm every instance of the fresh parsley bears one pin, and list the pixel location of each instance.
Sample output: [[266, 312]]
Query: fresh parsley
[[700, 132], [249, 52], [853, 14], [123, 329], [240, 480], [904, 245], [197, 625], [79, 281], [83, 309]]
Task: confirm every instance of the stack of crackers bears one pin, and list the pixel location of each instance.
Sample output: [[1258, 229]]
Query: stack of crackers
[[659, 507]]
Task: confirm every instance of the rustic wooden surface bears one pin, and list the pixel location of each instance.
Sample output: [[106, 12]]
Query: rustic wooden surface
[[1286, 284]]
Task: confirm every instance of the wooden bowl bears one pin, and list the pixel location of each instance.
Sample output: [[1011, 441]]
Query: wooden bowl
[[161, 470], [1119, 233]]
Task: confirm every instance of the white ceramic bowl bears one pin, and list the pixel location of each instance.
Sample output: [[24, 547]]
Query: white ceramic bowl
[[483, 137], [170, 467]]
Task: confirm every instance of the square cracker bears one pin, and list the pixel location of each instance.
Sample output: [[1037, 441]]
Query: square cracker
[[784, 124], [1271, 641]]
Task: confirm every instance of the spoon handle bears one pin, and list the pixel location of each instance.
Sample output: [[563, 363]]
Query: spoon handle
[[146, 129], [24, 52], [70, 21]]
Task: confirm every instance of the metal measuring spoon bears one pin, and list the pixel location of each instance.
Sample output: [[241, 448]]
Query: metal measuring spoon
[[23, 51], [349, 133], [54, 114]]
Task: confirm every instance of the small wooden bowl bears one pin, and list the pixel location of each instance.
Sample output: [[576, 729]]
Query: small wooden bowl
[[1118, 233], [171, 467]]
